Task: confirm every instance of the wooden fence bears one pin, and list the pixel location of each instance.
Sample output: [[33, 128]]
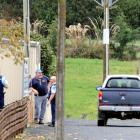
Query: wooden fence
[[13, 119]]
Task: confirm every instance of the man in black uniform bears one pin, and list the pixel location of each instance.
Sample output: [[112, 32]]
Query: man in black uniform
[[51, 99]]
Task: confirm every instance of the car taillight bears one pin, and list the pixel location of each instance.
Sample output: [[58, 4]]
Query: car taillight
[[100, 95]]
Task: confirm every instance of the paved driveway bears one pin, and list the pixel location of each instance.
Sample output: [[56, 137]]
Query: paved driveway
[[88, 130]]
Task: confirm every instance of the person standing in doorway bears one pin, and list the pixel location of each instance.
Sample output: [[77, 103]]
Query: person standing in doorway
[[51, 99], [39, 86], [3, 84]]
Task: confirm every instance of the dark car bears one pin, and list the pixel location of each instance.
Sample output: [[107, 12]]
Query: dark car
[[119, 97]]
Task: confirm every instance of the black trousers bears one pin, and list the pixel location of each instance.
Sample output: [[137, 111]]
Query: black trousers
[[53, 112], [1, 102]]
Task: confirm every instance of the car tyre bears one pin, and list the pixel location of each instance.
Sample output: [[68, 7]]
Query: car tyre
[[102, 122]]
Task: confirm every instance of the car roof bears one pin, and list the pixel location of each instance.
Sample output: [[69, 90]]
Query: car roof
[[124, 75]]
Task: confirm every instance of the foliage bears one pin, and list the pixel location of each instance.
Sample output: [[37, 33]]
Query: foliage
[[77, 44], [43, 10], [124, 36], [85, 48], [48, 44], [52, 35], [39, 26], [11, 8], [130, 9], [79, 10], [76, 31], [12, 31], [96, 27], [46, 53]]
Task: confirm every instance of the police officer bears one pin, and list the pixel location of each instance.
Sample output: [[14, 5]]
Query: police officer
[[39, 85], [3, 84], [51, 99]]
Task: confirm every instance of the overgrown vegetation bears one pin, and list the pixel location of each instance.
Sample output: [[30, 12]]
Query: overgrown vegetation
[[48, 45], [125, 35], [87, 42], [11, 31]]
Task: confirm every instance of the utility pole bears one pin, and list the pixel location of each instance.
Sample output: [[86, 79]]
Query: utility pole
[[106, 39], [26, 20], [26, 16], [106, 4], [59, 129]]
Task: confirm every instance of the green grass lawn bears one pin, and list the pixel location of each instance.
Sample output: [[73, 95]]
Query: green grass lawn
[[81, 78]]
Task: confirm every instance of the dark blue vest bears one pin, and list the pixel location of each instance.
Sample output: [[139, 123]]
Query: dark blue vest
[[1, 93], [1, 87]]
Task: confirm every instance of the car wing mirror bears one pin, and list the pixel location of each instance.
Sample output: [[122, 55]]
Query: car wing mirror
[[99, 88]]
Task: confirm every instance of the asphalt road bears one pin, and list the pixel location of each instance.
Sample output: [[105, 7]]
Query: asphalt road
[[115, 130], [88, 130]]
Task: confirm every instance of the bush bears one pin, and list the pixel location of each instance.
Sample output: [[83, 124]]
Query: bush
[[48, 45], [129, 53], [52, 35], [78, 45], [85, 48], [46, 53], [124, 36]]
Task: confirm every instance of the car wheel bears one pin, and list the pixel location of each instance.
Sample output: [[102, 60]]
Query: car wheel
[[102, 119], [102, 122]]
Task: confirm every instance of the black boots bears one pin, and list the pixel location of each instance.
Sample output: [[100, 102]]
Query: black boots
[[52, 124]]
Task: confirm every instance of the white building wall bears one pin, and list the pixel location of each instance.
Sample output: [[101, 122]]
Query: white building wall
[[14, 73], [34, 58]]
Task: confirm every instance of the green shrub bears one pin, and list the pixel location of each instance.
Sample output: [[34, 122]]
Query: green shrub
[[129, 53], [85, 48], [48, 45], [125, 35], [46, 53], [52, 35]]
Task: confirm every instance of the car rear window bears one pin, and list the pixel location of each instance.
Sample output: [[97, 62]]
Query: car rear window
[[123, 83]]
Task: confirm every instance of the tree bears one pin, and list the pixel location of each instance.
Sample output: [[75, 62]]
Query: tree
[[130, 9], [46, 48], [13, 32], [124, 36], [78, 11], [43, 10], [11, 8]]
